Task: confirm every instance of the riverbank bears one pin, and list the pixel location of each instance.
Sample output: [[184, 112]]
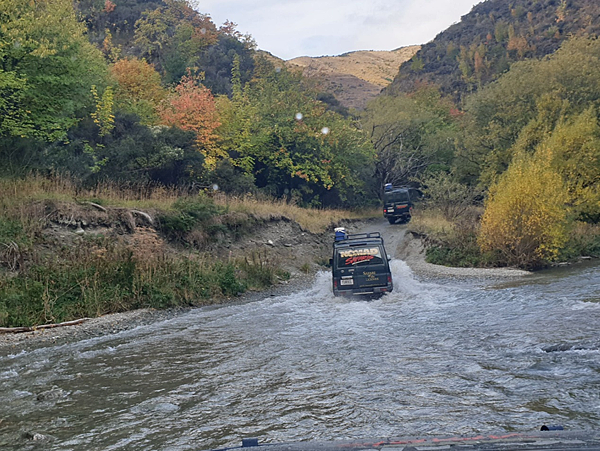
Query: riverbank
[[13, 343], [399, 243], [67, 254], [412, 252]]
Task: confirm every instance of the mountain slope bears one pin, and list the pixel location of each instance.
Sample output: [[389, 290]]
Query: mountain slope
[[491, 37], [355, 77]]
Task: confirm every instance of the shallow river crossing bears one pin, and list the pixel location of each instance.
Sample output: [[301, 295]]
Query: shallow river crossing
[[436, 357]]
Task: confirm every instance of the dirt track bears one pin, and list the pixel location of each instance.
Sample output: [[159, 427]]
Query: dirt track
[[402, 245]]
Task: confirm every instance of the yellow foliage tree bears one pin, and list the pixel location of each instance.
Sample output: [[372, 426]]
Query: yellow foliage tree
[[139, 89], [525, 218], [575, 145], [103, 115]]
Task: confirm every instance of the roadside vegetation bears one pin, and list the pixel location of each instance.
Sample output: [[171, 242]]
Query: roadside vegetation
[[51, 271]]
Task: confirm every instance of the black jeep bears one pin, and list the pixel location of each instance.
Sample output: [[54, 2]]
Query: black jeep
[[360, 265], [398, 203]]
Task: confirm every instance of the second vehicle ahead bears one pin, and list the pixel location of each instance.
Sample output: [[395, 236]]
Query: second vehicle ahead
[[398, 203]]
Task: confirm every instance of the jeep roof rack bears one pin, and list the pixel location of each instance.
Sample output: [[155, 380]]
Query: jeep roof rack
[[389, 187], [357, 239], [362, 236]]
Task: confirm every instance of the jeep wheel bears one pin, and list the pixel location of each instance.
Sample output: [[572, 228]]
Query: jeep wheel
[[391, 220]]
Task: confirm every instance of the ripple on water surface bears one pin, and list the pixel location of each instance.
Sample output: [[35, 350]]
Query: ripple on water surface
[[433, 357]]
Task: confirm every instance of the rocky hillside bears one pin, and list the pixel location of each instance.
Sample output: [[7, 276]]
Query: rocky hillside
[[354, 78], [495, 34]]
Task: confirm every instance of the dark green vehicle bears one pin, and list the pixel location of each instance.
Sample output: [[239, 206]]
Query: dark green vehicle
[[360, 265], [398, 203]]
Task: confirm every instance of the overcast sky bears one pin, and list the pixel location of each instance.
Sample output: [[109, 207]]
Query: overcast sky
[[291, 28]]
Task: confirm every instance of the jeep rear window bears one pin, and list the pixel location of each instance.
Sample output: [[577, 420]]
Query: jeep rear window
[[398, 196], [359, 256]]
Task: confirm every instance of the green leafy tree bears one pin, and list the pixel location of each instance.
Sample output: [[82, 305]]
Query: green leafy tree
[[130, 152], [276, 130], [411, 134], [173, 37], [518, 110], [47, 68]]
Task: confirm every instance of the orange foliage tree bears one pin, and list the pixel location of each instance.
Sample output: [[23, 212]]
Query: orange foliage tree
[[192, 107], [139, 88]]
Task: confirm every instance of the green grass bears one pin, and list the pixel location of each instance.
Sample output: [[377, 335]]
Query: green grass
[[91, 280]]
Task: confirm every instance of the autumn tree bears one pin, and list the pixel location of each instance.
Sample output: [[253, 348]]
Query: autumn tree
[[526, 212], [192, 107], [575, 145], [139, 90]]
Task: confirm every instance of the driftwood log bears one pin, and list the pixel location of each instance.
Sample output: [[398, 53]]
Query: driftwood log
[[95, 205], [16, 330], [144, 215]]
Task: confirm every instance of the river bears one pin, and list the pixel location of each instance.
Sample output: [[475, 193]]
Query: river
[[435, 357]]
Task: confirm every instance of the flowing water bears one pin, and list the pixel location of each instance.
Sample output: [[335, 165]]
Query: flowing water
[[436, 357]]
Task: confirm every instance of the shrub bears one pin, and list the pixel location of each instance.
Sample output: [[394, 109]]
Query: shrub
[[448, 195], [584, 240], [525, 214], [229, 283], [191, 213]]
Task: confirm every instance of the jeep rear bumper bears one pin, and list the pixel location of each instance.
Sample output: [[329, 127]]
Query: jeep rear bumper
[[363, 291]]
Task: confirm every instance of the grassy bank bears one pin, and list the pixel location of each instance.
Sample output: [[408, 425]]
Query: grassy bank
[[53, 271], [453, 242]]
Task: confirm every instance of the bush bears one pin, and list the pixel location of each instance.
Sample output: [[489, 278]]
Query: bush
[[229, 283], [10, 230], [525, 214], [191, 213], [232, 180], [466, 255], [451, 197], [584, 240]]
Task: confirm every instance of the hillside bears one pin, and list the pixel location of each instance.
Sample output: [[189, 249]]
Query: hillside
[[491, 37], [355, 77]]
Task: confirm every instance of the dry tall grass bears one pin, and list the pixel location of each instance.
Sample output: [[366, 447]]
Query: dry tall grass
[[313, 219], [37, 187], [16, 192], [433, 222]]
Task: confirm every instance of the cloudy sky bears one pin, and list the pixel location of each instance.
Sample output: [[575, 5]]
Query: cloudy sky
[[291, 28]]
